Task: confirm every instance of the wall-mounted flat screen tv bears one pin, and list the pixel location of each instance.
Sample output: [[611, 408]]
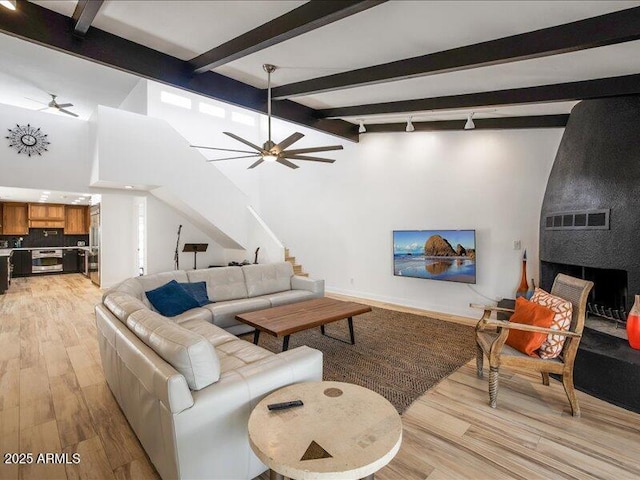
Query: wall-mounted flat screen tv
[[448, 255]]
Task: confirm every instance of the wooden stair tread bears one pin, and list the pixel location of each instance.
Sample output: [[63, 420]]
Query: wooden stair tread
[[297, 268]]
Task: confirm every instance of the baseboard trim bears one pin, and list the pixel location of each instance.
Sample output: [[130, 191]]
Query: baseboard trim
[[440, 312]]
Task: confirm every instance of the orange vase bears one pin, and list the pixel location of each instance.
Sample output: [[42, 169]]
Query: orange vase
[[523, 287], [633, 324]]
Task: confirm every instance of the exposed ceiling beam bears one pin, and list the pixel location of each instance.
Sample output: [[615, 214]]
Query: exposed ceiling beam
[[609, 29], [307, 17], [83, 15], [559, 92], [499, 123], [50, 29]]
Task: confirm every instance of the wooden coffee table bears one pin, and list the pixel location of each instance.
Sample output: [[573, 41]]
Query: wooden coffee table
[[284, 320], [343, 431]]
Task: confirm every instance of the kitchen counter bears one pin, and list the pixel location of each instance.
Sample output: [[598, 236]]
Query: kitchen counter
[[5, 252], [8, 250]]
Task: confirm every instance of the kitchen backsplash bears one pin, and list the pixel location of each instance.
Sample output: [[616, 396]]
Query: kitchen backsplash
[[46, 237]]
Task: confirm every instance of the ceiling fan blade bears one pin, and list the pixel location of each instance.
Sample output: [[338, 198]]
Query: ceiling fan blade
[[222, 149], [68, 112], [242, 140], [258, 162], [64, 105], [316, 149], [305, 157], [231, 158], [287, 163], [290, 140], [42, 109]]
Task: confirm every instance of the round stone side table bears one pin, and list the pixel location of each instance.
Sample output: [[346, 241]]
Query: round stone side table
[[343, 431]]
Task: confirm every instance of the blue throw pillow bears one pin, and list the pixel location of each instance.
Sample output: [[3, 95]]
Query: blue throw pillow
[[197, 290], [171, 299]]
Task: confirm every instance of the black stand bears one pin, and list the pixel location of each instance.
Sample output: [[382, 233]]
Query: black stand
[[176, 257], [195, 248]]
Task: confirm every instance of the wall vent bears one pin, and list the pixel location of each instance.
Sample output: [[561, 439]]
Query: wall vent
[[579, 220]]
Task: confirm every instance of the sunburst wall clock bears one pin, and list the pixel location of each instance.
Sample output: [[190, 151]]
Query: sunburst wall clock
[[28, 139]]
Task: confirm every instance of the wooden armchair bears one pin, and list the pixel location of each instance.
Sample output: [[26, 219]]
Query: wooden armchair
[[491, 335]]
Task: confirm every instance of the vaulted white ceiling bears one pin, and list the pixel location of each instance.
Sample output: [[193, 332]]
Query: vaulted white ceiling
[[391, 31]]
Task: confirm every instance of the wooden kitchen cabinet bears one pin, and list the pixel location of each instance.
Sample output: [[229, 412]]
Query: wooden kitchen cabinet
[[76, 220], [46, 211], [15, 219], [37, 211], [46, 215]]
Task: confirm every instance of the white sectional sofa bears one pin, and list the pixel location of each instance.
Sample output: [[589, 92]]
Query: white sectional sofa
[[233, 289], [187, 384]]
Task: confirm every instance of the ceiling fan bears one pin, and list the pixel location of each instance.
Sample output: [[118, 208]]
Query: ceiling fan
[[62, 107], [270, 151]]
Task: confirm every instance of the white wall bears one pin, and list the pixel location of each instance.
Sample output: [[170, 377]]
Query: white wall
[[162, 230], [118, 239], [202, 129], [148, 153], [338, 219], [136, 101], [66, 164]]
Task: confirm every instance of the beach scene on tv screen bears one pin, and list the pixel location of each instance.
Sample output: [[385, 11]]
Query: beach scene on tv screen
[[435, 254]]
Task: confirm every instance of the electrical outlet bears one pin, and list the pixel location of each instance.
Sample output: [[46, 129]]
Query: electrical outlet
[[517, 245]]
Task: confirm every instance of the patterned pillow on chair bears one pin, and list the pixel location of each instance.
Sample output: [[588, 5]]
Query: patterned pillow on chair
[[563, 309]]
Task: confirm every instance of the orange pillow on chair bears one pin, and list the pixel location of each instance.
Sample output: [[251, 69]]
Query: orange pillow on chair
[[529, 313]]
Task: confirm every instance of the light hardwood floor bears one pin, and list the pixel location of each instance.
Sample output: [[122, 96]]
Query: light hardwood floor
[[53, 398]]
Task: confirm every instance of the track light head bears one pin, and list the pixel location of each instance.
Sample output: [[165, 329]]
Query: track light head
[[10, 4], [469, 125], [410, 127], [362, 128]]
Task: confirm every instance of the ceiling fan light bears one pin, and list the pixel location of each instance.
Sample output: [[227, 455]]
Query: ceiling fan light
[[269, 157], [410, 127], [10, 4], [469, 125]]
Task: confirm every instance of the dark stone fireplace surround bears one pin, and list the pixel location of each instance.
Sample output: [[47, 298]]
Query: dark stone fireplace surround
[[597, 167]]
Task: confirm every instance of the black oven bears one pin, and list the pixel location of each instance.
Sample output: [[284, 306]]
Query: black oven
[[46, 261]]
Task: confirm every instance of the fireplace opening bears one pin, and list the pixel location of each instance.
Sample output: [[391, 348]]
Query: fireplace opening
[[607, 304]]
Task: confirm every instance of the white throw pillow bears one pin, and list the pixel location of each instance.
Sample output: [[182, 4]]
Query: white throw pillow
[[563, 312]]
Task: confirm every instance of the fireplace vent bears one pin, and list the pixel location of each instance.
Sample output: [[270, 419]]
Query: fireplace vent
[[578, 220]]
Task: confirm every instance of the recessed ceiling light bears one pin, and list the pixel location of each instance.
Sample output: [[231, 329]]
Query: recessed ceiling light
[[128, 186], [86, 194], [46, 192]]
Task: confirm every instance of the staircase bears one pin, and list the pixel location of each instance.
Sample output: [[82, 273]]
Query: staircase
[[297, 269]]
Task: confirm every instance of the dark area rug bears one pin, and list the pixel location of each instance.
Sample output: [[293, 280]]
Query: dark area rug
[[398, 355]]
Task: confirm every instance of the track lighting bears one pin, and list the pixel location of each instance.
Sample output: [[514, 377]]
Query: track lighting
[[469, 125], [362, 128], [410, 127], [10, 4]]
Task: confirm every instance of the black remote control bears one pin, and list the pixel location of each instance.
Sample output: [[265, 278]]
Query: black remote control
[[285, 405]]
